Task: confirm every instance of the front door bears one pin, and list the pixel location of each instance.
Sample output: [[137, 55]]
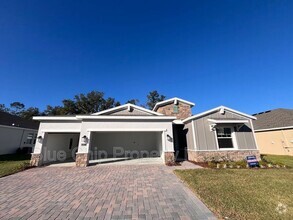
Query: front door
[[180, 144]]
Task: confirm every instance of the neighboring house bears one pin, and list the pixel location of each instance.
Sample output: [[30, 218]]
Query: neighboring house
[[169, 131], [16, 132], [274, 131]]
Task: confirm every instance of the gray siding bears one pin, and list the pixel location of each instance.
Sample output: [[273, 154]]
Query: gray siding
[[206, 139], [189, 137], [12, 138]]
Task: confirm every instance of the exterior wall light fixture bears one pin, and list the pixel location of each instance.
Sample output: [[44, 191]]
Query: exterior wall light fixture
[[40, 138], [84, 140]]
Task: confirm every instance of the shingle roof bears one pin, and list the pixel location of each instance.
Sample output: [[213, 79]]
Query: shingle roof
[[273, 119], [15, 121]]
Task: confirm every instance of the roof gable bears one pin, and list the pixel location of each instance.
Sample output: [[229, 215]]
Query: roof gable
[[219, 109], [128, 110], [174, 100]]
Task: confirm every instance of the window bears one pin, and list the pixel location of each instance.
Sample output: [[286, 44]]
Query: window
[[175, 109], [29, 138], [225, 138]]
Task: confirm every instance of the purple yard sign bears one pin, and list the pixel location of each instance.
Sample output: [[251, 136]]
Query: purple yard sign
[[252, 161]]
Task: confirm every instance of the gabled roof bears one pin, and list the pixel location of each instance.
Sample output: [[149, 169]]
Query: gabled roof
[[116, 113], [274, 119], [220, 108], [130, 108], [172, 100], [15, 121], [102, 117]]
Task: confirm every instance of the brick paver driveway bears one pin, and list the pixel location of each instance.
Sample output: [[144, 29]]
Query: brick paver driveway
[[98, 192]]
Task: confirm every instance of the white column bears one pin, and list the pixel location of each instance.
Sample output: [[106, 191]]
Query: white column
[[40, 142], [163, 142], [82, 146]]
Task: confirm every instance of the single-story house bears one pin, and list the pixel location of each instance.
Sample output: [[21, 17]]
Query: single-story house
[[168, 131], [274, 131], [16, 133]]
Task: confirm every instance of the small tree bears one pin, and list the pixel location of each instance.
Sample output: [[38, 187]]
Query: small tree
[[153, 97]]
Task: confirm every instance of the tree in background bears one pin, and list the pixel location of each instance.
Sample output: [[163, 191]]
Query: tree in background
[[16, 108], [30, 112], [109, 103], [3, 108], [153, 97], [133, 101], [53, 110], [89, 103], [69, 107], [94, 101]]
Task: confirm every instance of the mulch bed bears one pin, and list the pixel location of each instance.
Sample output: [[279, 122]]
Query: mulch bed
[[202, 164]]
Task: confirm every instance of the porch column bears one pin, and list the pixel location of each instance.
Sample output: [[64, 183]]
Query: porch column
[[83, 154], [37, 157], [168, 148]]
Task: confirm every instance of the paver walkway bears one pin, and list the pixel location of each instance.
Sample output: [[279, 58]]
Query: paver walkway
[[99, 192]]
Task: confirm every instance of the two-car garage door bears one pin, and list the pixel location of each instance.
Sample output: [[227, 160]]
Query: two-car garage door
[[125, 144]]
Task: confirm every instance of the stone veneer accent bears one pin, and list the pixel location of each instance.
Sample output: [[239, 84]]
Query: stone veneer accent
[[82, 159], [234, 155], [36, 160], [184, 110], [169, 157]]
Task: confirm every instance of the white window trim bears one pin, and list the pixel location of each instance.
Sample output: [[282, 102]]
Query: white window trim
[[193, 135], [233, 136]]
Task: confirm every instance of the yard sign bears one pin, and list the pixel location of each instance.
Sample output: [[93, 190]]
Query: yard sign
[[252, 161]]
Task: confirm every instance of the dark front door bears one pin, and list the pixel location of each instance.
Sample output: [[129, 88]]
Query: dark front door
[[180, 144]]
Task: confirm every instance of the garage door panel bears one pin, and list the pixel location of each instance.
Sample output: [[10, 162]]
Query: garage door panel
[[60, 147], [116, 144]]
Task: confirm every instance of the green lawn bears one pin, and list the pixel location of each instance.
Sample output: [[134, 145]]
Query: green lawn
[[285, 160], [243, 193], [13, 163]]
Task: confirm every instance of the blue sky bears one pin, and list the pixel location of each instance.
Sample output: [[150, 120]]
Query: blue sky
[[233, 53]]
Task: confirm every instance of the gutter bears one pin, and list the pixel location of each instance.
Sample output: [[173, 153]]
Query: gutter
[[274, 129]]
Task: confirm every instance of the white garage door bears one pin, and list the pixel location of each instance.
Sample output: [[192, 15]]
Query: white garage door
[[126, 144], [60, 147]]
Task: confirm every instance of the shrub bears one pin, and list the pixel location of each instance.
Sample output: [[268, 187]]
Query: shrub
[[212, 164], [24, 150]]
